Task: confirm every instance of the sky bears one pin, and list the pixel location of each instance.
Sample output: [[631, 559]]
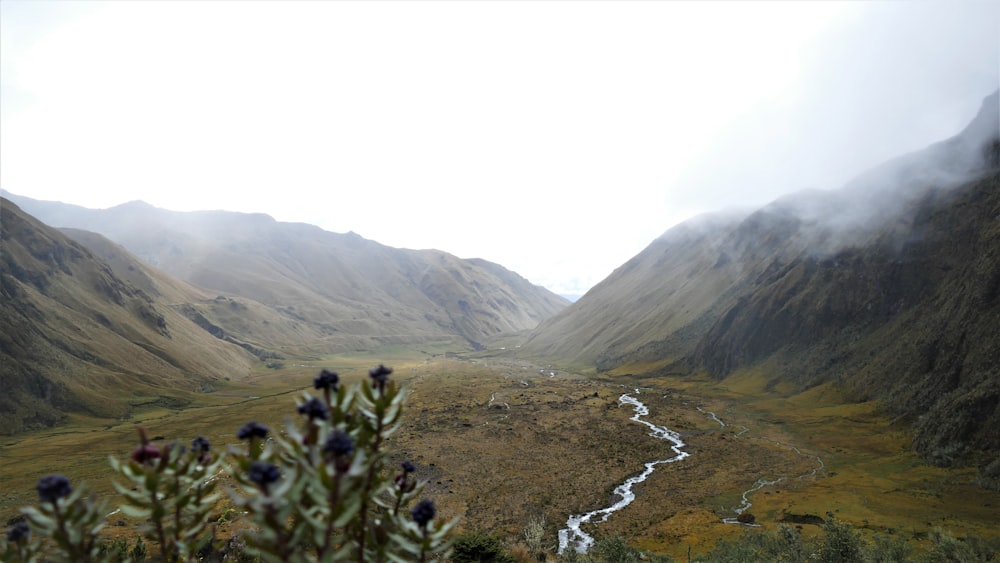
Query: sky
[[557, 138]]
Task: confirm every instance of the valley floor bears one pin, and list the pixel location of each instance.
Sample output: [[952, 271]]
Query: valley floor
[[503, 441]]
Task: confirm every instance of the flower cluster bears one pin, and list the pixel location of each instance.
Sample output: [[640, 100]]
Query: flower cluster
[[322, 481], [51, 488], [251, 431], [68, 516]]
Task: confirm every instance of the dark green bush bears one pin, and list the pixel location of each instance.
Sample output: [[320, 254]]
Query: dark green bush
[[479, 548], [841, 543]]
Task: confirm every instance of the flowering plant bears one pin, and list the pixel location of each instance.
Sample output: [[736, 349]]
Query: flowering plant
[[319, 491]]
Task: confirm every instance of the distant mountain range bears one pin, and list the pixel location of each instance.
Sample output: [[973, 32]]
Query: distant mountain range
[[342, 290], [180, 299], [889, 286]]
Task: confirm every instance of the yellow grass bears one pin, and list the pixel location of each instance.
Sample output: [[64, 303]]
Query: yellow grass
[[499, 441]]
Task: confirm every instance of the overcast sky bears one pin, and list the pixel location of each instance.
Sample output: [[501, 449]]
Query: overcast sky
[[556, 138]]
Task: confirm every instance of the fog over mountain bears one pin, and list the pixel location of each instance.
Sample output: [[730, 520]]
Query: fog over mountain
[[887, 286], [559, 154], [888, 79]]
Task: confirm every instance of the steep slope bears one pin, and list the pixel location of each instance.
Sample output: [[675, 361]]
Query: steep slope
[[653, 305], [263, 331], [76, 338], [888, 286], [345, 291]]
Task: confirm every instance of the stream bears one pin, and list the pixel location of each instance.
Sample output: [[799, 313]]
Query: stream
[[761, 483], [572, 535]]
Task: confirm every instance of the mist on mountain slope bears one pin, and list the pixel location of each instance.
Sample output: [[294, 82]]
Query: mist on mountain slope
[[662, 301], [830, 220], [889, 78]]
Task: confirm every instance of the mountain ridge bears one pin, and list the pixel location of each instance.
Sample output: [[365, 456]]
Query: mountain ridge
[[896, 303], [324, 279]]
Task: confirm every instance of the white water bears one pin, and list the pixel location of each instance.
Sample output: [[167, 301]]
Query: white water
[[711, 415], [572, 535], [761, 483]]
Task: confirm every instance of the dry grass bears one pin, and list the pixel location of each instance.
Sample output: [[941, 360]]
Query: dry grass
[[503, 443]]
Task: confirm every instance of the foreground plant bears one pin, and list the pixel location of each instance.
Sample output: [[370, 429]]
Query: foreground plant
[[323, 482], [173, 488], [320, 491], [70, 517]]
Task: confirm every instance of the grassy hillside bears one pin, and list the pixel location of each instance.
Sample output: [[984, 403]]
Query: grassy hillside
[[343, 290], [76, 339], [914, 322]]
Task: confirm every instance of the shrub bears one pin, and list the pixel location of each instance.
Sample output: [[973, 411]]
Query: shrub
[[534, 537], [948, 548], [784, 544], [887, 549], [615, 549], [478, 547], [841, 544], [318, 492]]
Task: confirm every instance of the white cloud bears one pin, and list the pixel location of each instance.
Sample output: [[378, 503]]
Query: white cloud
[[556, 138]]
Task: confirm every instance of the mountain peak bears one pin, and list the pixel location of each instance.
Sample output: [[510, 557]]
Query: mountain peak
[[984, 129]]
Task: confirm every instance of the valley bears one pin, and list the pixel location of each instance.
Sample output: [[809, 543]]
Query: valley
[[827, 358], [502, 441]]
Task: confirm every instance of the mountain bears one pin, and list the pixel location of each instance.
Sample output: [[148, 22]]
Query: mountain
[[889, 286], [339, 291], [75, 337]]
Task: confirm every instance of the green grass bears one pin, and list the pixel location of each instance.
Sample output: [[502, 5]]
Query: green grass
[[548, 447]]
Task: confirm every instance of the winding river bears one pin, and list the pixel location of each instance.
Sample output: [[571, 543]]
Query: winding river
[[572, 535]]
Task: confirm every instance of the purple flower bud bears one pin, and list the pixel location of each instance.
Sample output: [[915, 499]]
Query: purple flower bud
[[380, 376], [18, 532], [53, 487], [408, 467], [146, 453], [200, 444], [252, 430], [314, 408], [263, 473], [339, 444], [326, 380], [381, 373], [423, 512]]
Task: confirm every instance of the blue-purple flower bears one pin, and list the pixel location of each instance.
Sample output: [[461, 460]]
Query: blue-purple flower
[[263, 473], [380, 376], [314, 408], [252, 430], [339, 444], [326, 380], [200, 444], [53, 487], [423, 512], [18, 532]]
